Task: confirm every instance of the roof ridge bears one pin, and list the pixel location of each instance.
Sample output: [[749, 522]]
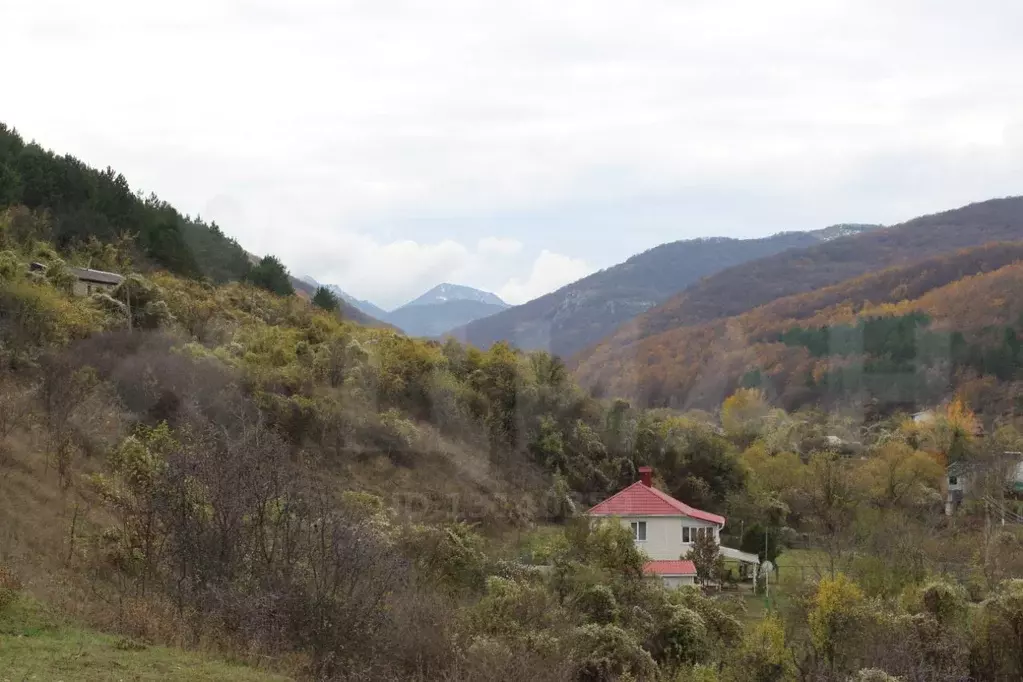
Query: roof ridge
[[678, 506], [669, 499], [620, 492]]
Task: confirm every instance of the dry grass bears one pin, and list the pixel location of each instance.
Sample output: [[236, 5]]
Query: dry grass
[[49, 556], [38, 644]]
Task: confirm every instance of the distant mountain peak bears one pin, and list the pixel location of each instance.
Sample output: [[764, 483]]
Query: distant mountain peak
[[446, 292], [844, 230]]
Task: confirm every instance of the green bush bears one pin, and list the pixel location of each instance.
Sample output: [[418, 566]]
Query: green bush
[[599, 605], [607, 652], [10, 266]]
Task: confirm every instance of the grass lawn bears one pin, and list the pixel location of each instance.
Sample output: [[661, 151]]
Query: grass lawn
[[796, 567], [37, 645]]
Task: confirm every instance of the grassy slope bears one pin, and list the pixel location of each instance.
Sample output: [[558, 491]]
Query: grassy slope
[[36, 644]]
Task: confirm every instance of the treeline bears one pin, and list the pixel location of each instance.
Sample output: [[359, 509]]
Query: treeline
[[84, 202]]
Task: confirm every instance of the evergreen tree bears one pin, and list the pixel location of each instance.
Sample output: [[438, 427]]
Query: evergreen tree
[[270, 274], [326, 299]]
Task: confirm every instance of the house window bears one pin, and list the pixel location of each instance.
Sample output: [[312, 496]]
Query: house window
[[953, 480], [686, 537], [639, 531]]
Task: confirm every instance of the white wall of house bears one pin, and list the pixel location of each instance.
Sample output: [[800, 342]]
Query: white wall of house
[[673, 581], [664, 535]]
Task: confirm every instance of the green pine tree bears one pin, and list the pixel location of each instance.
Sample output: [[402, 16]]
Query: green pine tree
[[326, 299], [270, 274]]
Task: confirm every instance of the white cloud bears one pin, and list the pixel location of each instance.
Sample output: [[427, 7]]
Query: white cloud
[[390, 273], [387, 273], [499, 246], [550, 271], [373, 126]]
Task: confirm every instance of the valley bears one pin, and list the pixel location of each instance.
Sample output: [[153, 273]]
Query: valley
[[211, 469]]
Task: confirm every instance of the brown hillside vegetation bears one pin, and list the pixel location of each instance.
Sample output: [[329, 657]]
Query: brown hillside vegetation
[[744, 287], [975, 292]]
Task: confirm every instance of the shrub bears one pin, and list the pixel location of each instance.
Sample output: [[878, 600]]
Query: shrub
[[946, 602], [873, 675], [10, 266], [34, 316], [682, 637], [599, 604], [763, 657], [607, 652]]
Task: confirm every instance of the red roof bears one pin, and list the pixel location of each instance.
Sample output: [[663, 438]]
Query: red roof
[[640, 500], [669, 567]]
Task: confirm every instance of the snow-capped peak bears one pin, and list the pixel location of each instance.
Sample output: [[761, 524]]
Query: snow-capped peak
[[443, 293]]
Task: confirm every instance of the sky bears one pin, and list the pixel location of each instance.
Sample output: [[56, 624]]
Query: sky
[[390, 145]]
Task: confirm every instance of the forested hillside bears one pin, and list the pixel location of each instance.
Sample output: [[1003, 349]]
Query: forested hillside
[[580, 314], [738, 289], [82, 204], [900, 338]]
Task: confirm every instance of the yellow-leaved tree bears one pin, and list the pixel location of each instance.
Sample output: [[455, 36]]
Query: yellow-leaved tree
[[743, 414], [838, 617]]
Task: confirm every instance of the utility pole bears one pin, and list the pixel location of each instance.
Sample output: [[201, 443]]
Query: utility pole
[[767, 576], [127, 291]]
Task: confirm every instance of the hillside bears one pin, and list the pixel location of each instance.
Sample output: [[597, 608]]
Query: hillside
[[347, 308], [83, 203], [246, 474], [433, 319], [580, 314], [735, 290], [902, 337], [371, 313]]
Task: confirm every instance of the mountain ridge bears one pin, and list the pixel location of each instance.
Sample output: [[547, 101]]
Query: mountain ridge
[[581, 313], [734, 290], [803, 348]]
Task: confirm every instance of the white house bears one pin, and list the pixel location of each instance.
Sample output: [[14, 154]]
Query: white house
[[665, 529], [959, 475]]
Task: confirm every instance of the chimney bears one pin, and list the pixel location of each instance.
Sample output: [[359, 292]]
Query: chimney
[[646, 475]]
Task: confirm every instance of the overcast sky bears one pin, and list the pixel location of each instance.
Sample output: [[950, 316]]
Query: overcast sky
[[389, 145]]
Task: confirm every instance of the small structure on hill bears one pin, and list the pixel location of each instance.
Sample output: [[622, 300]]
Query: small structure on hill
[[90, 282], [963, 477], [665, 529]]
